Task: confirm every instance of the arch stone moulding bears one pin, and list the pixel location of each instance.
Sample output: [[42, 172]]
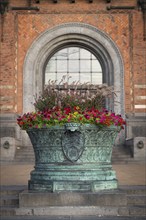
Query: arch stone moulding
[[78, 33]]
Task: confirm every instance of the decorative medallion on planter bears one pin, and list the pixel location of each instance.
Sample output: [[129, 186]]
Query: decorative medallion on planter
[[73, 142]]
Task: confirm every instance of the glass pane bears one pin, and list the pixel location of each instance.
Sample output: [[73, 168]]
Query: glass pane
[[97, 78], [50, 76], [60, 76], [51, 67], [73, 53], [85, 66], [62, 54], [74, 77], [93, 57], [96, 66], [84, 77], [73, 66], [85, 54], [61, 65]]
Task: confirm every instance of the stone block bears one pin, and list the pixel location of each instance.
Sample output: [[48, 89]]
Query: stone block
[[136, 199], [7, 148], [140, 147], [137, 147], [123, 211], [40, 199], [136, 125], [78, 211], [24, 211], [9, 136], [137, 211]]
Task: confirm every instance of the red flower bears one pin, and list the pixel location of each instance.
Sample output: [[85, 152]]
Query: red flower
[[67, 110]]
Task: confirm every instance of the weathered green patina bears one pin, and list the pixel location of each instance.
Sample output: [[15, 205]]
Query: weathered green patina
[[74, 157]]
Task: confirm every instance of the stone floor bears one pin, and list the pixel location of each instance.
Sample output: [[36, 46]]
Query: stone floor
[[127, 174], [72, 218]]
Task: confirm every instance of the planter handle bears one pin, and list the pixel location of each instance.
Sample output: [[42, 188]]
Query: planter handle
[[72, 127]]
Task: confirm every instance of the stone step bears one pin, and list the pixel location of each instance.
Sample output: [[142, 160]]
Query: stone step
[[136, 199], [75, 211], [114, 156], [121, 149], [73, 218], [83, 210], [27, 160], [133, 206], [8, 211], [9, 200], [137, 210], [121, 155], [24, 154], [83, 203], [69, 210], [134, 190], [12, 190], [126, 161]]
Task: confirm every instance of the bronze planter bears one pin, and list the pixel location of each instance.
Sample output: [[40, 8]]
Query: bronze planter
[[73, 157]]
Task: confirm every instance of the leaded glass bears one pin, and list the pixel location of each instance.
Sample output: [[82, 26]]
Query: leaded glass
[[78, 63]]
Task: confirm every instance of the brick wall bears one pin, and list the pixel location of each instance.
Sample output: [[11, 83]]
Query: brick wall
[[8, 64], [20, 28]]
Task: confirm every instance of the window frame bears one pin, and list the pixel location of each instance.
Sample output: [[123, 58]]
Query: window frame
[[104, 59], [80, 47]]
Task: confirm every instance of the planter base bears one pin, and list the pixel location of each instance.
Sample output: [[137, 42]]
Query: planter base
[[73, 178], [77, 186]]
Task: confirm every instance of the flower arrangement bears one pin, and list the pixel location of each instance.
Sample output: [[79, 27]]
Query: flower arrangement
[[75, 103]]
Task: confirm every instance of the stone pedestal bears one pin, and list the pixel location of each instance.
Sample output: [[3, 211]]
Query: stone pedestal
[[107, 203], [43, 199]]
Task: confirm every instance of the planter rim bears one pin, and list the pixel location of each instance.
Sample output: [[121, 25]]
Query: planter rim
[[87, 126]]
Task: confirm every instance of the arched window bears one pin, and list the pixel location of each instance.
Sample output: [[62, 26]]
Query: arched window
[[77, 63]]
